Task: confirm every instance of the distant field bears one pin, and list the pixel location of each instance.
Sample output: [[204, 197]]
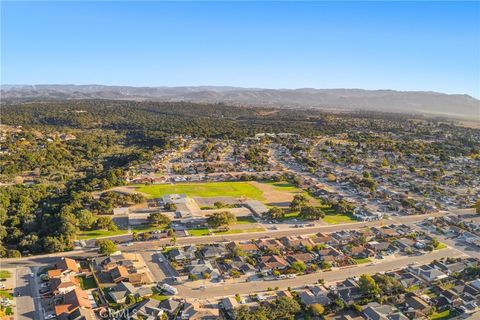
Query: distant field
[[205, 231], [332, 217], [85, 235], [208, 189]]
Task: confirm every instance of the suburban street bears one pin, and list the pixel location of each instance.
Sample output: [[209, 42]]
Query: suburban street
[[27, 300], [225, 289], [148, 245]]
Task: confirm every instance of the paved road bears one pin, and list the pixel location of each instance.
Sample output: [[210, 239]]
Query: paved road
[[149, 245], [28, 304], [222, 290]]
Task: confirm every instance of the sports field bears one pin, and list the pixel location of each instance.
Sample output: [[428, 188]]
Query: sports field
[[207, 189], [274, 193]]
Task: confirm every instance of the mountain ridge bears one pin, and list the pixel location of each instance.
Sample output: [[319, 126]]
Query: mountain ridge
[[385, 100]]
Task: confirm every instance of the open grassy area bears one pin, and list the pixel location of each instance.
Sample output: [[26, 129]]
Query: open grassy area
[[92, 234], [205, 231], [362, 260], [5, 274], [87, 283], [147, 228], [233, 231], [291, 215], [338, 218], [287, 187], [245, 220], [207, 189], [332, 217]]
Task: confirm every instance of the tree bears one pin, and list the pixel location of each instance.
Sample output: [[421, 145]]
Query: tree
[[135, 236], [284, 307], [299, 200], [105, 223], [170, 206], [85, 219], [477, 205], [274, 213], [220, 205], [299, 266], [317, 309], [53, 244], [311, 213], [221, 219], [368, 285], [106, 246], [130, 299], [158, 218]]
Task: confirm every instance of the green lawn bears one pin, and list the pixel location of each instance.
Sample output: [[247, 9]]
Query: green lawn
[[440, 246], [233, 231], [362, 260], [5, 274], [245, 220], [6, 294], [338, 218], [447, 314], [199, 232], [291, 215], [87, 283], [158, 296], [413, 288], [208, 189], [146, 228], [92, 234], [205, 231], [283, 186]]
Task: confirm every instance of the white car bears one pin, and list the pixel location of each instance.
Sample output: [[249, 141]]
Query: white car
[[291, 276], [50, 316]]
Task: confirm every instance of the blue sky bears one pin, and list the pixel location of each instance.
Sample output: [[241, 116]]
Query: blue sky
[[372, 45]]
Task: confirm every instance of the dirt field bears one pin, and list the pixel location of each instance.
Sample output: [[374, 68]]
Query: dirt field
[[279, 194]]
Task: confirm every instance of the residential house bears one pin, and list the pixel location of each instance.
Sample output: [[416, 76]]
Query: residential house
[[229, 304], [314, 295], [122, 290], [241, 265], [194, 311], [296, 243], [64, 283], [270, 245], [247, 247], [183, 253], [272, 262], [72, 300], [214, 251], [376, 311], [301, 257], [417, 304], [64, 266], [203, 269]]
